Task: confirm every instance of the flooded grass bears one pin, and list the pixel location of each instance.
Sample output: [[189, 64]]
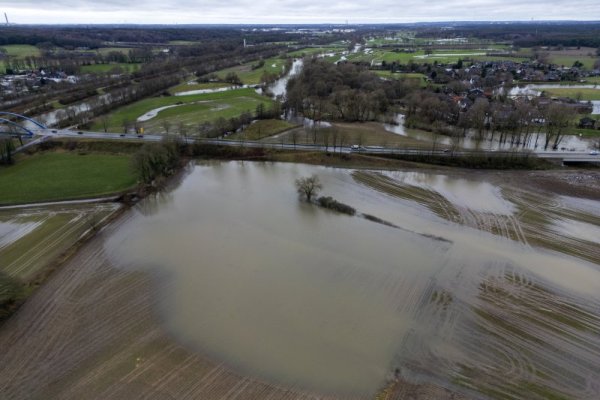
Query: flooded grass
[[262, 129], [30, 238], [190, 110]]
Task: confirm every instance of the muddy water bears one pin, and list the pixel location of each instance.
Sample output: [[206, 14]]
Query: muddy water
[[304, 297]]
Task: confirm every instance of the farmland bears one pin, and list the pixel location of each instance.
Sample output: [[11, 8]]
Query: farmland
[[574, 93], [21, 50]]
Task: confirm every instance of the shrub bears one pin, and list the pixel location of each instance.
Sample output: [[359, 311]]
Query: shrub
[[332, 204]]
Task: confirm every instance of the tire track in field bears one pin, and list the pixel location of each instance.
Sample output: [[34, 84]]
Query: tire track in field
[[499, 224]]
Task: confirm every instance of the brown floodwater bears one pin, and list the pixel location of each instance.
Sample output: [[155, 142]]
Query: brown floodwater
[[301, 296]]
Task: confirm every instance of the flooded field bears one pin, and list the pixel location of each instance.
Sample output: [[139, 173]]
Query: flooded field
[[484, 289], [489, 141], [31, 237]]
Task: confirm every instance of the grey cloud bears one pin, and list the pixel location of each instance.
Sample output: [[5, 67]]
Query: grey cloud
[[285, 11]]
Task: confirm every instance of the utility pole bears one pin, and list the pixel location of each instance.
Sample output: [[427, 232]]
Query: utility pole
[[6, 18]]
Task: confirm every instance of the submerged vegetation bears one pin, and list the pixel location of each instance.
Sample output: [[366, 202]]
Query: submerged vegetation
[[332, 204]]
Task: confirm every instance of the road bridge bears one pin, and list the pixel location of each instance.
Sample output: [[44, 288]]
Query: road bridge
[[564, 157]]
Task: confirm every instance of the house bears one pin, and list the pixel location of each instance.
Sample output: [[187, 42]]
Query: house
[[587, 123]]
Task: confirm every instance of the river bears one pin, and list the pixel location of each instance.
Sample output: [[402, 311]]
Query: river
[[300, 296]]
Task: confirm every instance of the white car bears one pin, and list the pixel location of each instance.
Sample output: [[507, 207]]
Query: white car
[[594, 153]]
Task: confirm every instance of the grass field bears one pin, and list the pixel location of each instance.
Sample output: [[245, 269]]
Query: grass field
[[261, 129], [105, 50], [105, 68], [190, 110], [591, 133], [418, 78], [592, 80], [568, 61], [251, 76], [419, 56], [21, 50], [582, 93], [567, 56], [57, 176]]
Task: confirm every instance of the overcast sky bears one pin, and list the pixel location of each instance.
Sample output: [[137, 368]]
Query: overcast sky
[[292, 11]]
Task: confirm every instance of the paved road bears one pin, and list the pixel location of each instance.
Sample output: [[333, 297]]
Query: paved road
[[46, 134]]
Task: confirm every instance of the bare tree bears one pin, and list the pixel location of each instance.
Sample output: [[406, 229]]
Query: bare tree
[[343, 140], [105, 120], [308, 186], [166, 125], [325, 134], [183, 130], [126, 125], [558, 117], [334, 137]]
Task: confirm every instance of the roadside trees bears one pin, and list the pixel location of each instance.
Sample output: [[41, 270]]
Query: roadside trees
[[6, 149]]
